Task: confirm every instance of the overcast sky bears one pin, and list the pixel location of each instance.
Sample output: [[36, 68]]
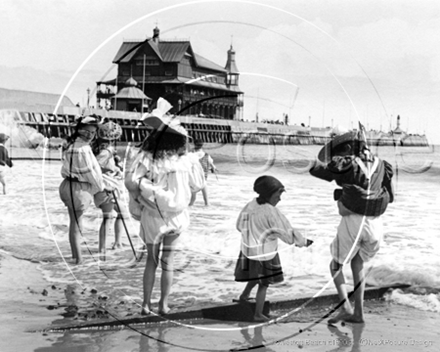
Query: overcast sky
[[321, 62]]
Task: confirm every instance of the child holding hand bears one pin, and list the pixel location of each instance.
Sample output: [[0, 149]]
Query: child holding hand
[[261, 224]]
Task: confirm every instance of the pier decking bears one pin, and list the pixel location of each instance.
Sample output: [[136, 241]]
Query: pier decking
[[209, 130]]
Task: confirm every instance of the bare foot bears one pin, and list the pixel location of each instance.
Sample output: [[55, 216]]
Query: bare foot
[[117, 246], [261, 318], [243, 299], [354, 319], [163, 309], [145, 311], [343, 314]]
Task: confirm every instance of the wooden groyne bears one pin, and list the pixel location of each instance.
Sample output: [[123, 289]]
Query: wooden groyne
[[229, 311]]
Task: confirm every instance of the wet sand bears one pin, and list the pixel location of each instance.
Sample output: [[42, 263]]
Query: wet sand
[[23, 305], [388, 327]]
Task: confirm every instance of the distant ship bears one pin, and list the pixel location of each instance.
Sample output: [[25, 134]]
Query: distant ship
[[205, 96]]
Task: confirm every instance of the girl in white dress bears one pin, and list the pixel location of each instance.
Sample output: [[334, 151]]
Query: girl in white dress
[[167, 176]]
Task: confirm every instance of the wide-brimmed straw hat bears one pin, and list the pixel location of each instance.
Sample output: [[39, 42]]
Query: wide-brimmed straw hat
[[327, 152], [87, 120], [110, 131], [158, 119]]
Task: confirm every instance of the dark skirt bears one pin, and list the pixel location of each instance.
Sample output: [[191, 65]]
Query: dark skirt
[[264, 272]]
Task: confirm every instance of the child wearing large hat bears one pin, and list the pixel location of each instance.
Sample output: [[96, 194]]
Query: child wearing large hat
[[365, 179], [165, 176], [366, 191]]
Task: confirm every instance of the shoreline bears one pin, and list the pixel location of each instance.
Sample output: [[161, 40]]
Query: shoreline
[[25, 317]]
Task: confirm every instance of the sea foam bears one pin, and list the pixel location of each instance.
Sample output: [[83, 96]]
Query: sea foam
[[429, 302]]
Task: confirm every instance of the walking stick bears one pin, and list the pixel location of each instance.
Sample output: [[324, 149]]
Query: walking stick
[[125, 225]]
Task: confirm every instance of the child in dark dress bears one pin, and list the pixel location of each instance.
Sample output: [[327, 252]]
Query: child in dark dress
[[261, 224]]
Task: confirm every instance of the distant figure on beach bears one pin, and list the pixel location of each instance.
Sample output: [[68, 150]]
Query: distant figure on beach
[[103, 148], [365, 194], [5, 160], [261, 224], [207, 165], [82, 178], [166, 176]]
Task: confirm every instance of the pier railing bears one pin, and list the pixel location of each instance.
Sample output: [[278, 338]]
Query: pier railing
[[61, 125]]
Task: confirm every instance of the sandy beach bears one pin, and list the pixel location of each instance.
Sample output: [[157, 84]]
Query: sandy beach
[[41, 289], [389, 327]]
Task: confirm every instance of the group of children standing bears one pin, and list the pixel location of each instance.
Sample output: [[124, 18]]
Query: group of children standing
[[164, 179], [165, 175]]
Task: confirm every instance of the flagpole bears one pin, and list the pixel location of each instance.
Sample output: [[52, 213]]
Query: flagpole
[[116, 93], [143, 86]]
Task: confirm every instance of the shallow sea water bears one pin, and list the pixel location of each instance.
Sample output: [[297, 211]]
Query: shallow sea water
[[34, 227]]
